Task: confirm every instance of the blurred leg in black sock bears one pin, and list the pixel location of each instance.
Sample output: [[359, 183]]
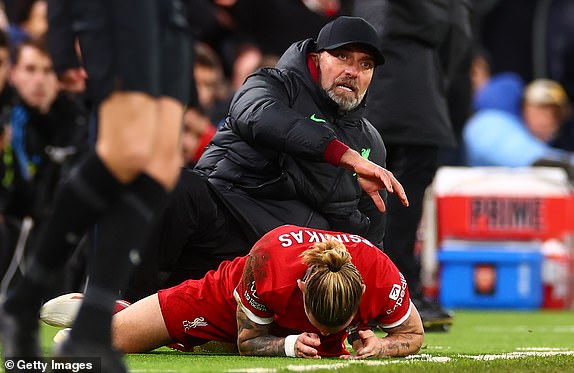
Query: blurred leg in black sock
[[122, 236], [81, 200]]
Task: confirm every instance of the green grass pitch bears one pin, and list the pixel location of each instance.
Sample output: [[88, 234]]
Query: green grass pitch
[[479, 341]]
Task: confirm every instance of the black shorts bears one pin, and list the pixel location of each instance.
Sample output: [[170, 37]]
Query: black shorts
[[134, 45]]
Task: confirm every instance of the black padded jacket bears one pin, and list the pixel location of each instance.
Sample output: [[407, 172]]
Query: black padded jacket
[[268, 161]]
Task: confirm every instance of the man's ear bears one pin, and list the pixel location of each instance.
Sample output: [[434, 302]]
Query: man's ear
[[301, 285], [364, 288], [315, 57]]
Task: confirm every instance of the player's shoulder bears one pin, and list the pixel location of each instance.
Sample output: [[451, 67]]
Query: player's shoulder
[[280, 245]]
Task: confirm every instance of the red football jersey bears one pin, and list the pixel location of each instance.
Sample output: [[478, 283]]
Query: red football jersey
[[198, 311], [274, 296]]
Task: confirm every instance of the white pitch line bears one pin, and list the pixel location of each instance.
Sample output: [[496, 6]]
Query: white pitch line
[[517, 355], [524, 328], [525, 352], [305, 368], [429, 358], [346, 364]]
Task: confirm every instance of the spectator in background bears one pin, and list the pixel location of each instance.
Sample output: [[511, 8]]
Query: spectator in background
[[426, 44], [534, 39], [207, 106], [513, 125], [49, 136], [15, 191], [240, 31], [49, 128], [213, 93], [196, 134], [33, 76], [29, 20], [249, 59]]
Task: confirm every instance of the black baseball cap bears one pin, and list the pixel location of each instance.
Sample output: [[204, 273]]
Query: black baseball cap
[[346, 30]]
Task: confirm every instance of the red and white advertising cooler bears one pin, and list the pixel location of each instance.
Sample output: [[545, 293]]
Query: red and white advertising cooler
[[512, 204]]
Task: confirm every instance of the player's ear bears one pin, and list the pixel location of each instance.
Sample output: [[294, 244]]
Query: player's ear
[[364, 288], [301, 285]]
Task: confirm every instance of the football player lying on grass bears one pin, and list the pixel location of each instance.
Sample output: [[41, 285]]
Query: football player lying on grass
[[299, 292]]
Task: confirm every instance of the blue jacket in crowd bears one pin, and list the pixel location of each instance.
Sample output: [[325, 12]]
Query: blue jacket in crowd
[[496, 134]]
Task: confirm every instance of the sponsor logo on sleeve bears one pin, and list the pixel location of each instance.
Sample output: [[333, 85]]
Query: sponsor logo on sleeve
[[251, 296], [397, 294]]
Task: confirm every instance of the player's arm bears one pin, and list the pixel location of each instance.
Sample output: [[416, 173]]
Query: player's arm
[[254, 321], [402, 340], [255, 339]]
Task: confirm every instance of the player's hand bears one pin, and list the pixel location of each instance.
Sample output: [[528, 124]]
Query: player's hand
[[368, 345], [306, 346], [373, 178], [74, 80]]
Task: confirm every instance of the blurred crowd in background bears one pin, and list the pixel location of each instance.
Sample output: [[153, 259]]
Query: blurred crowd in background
[[519, 46]]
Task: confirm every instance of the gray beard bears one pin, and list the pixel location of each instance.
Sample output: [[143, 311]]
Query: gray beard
[[345, 103]]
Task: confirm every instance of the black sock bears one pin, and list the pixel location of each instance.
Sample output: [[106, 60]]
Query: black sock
[[122, 236], [80, 201]]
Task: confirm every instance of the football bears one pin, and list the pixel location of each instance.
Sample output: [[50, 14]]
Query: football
[[61, 311]]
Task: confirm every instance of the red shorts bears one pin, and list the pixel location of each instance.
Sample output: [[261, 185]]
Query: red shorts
[[197, 311]]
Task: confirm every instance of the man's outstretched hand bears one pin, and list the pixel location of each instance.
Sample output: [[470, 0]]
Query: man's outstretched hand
[[373, 178]]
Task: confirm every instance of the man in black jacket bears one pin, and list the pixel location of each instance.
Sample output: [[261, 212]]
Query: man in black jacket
[[294, 149], [426, 44]]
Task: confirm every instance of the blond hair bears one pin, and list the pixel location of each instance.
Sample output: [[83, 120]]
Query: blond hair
[[333, 285]]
